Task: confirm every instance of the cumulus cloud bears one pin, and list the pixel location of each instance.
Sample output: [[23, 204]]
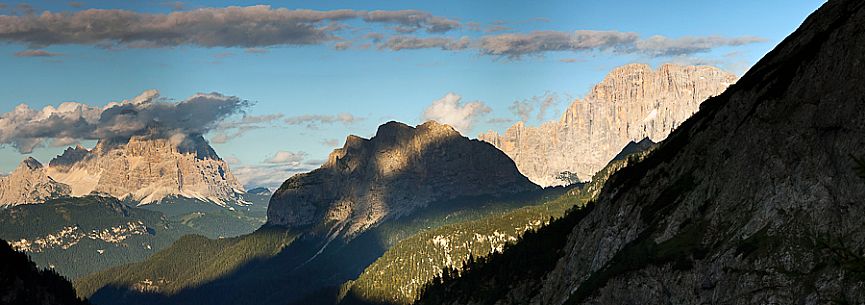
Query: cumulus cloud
[[663, 46], [276, 168], [397, 43], [450, 110], [268, 175], [36, 53], [147, 114], [246, 27], [314, 120], [286, 157]]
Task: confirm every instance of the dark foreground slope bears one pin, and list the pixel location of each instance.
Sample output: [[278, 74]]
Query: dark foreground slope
[[754, 200], [22, 283]]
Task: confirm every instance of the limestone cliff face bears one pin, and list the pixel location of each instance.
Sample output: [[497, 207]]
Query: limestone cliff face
[[141, 168], [28, 183], [396, 172], [631, 103], [148, 170]]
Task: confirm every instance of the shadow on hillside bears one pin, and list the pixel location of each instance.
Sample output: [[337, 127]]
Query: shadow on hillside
[[287, 278], [290, 277], [278, 279]]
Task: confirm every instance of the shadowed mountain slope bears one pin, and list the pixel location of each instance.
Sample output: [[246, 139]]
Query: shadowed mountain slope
[[754, 200], [21, 283]]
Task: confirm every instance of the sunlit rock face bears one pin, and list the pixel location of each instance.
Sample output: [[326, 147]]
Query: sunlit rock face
[[396, 172], [149, 169], [28, 183], [141, 168], [633, 102]]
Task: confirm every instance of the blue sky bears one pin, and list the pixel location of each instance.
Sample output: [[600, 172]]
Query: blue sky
[[329, 93]]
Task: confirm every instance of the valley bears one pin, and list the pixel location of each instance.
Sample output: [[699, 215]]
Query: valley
[[432, 153]]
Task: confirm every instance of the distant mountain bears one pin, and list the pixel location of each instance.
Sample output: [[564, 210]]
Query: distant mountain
[[148, 169], [326, 226], [260, 191], [398, 171], [143, 168], [633, 102], [22, 283], [28, 183], [754, 200]]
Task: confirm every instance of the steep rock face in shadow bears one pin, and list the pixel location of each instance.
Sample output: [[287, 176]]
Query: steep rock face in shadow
[[754, 200], [399, 170], [631, 103]]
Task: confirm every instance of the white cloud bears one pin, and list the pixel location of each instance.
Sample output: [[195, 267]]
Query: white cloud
[[450, 110], [270, 176], [286, 157]]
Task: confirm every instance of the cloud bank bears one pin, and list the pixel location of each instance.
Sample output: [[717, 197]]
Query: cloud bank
[[255, 28], [25, 128], [234, 26]]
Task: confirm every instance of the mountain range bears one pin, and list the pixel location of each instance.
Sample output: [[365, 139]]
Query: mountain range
[[142, 168], [324, 227], [756, 199], [633, 102]]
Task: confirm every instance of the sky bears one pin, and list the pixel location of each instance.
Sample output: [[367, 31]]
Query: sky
[[276, 86]]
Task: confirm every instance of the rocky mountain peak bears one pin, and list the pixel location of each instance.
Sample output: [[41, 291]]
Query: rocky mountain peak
[[144, 168], [394, 173], [148, 169], [70, 156], [29, 164], [631, 103], [28, 183]]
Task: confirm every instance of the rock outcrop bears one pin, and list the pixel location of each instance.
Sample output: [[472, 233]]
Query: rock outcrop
[[28, 183], [142, 168], [399, 170], [631, 103], [754, 200]]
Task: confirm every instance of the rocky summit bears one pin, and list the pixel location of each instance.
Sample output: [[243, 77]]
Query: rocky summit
[[143, 168], [28, 183], [399, 170], [754, 200], [633, 102]]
